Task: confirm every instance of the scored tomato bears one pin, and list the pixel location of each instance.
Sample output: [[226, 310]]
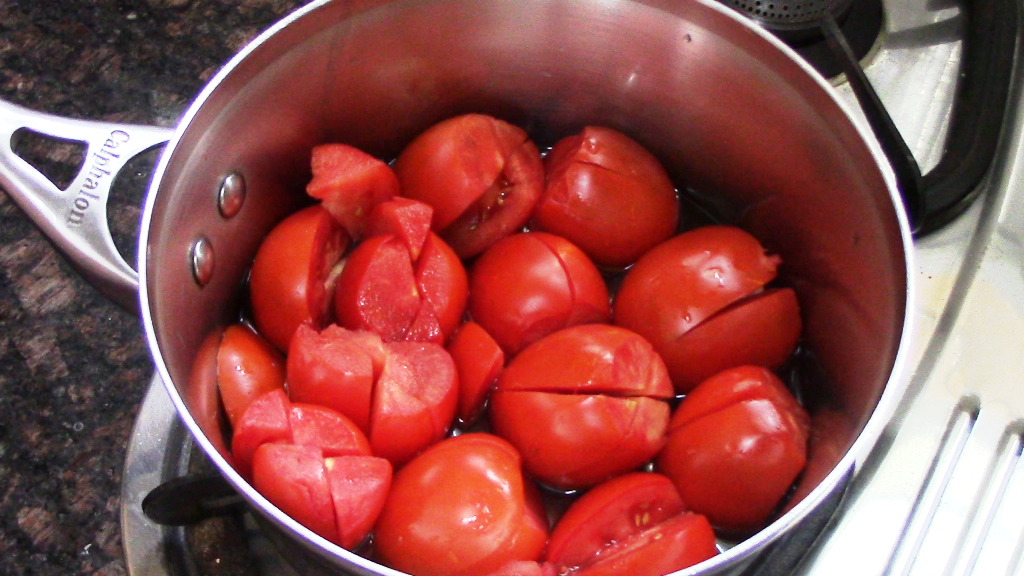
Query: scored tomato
[[698, 299], [247, 367], [461, 508], [350, 183], [736, 444], [632, 524], [608, 195], [481, 175], [529, 285], [583, 404], [292, 276]]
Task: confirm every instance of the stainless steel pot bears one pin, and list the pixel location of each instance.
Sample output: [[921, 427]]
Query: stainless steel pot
[[734, 115]]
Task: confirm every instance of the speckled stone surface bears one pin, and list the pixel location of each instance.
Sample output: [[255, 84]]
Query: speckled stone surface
[[73, 366]]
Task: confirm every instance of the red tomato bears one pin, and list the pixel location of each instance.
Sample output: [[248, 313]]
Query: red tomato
[[359, 486], [335, 368], [247, 367], [461, 508], [583, 404], [612, 511], [619, 526], [377, 290], [676, 543], [292, 278], [529, 285], [736, 444], [479, 360], [293, 479], [350, 182], [693, 287], [331, 431], [443, 284], [408, 219], [264, 421], [414, 400], [481, 175], [608, 195]]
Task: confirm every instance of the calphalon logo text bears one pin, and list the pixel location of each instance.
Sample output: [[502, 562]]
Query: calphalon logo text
[[97, 170]]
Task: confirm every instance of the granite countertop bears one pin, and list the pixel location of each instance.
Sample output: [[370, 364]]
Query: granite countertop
[[73, 366]]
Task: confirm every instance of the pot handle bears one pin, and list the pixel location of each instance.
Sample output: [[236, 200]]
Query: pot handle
[[75, 219]]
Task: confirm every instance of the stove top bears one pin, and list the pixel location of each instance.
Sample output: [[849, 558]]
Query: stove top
[[942, 491]]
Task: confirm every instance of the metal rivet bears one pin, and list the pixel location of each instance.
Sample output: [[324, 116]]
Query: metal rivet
[[231, 195], [202, 261]]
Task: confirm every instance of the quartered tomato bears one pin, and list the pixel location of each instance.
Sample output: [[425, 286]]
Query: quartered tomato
[[735, 445], [583, 404], [350, 183], [529, 285], [247, 367], [461, 508], [608, 195], [633, 524], [338, 498], [293, 277], [479, 360], [481, 175], [700, 300]]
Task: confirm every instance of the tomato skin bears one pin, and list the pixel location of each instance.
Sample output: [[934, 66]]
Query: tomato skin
[[608, 195], [293, 479], [590, 358], [521, 289], [291, 279], [475, 165], [612, 511], [571, 441], [736, 444], [350, 183], [479, 360], [683, 282], [479, 518], [247, 367]]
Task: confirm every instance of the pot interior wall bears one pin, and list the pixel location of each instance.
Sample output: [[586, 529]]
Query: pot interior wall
[[734, 119]]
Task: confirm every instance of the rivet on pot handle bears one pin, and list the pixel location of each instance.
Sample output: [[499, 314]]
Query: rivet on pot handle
[[76, 219]]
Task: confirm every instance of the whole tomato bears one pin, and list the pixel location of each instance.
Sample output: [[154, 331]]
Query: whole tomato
[[608, 195], [292, 276], [700, 299], [583, 404], [529, 285], [461, 508], [735, 445], [481, 175], [633, 524]]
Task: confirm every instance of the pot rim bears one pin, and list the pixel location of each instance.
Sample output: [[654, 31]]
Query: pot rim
[[852, 460]]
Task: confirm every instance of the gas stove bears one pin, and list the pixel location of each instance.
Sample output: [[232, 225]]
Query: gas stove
[[943, 490]]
